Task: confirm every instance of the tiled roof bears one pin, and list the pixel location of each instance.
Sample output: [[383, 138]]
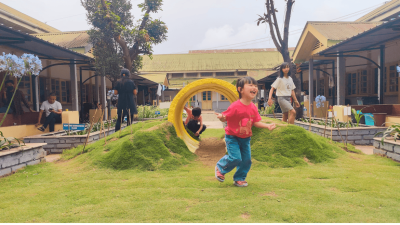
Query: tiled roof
[[340, 31], [73, 39], [389, 8], [4, 9], [179, 83], [212, 62], [155, 77]]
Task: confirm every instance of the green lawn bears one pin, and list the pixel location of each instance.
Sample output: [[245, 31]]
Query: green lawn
[[350, 188]]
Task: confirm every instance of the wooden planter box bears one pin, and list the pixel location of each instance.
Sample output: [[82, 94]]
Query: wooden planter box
[[363, 135], [17, 158]]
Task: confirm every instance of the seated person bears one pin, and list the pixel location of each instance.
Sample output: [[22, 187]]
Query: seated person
[[261, 103], [193, 119], [53, 111], [16, 104]]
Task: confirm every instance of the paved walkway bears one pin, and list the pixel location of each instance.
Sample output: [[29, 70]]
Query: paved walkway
[[366, 149]]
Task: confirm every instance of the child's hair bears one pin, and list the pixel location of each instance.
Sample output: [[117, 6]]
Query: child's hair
[[283, 66], [196, 111], [242, 81]]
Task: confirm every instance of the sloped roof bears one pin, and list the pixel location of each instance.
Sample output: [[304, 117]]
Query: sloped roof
[[340, 31], [382, 13], [155, 77], [317, 36], [17, 20], [178, 83], [212, 62], [72, 39]]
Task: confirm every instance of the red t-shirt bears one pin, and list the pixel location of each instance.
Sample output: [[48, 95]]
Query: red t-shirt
[[240, 119]]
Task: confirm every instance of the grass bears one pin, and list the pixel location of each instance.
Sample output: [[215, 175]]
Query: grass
[[350, 188], [219, 133]]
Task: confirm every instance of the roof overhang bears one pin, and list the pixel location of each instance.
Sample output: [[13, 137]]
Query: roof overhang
[[30, 44], [368, 40]]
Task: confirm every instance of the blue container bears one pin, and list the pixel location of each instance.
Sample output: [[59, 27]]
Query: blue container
[[369, 119]]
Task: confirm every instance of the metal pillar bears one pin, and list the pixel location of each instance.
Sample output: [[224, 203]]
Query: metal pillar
[[35, 92], [317, 86], [301, 80], [310, 86], [381, 74], [103, 97], [96, 86], [81, 87], [74, 86], [333, 89], [341, 80]]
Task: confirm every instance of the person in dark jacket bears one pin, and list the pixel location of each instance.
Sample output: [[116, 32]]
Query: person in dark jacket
[[16, 106], [125, 89]]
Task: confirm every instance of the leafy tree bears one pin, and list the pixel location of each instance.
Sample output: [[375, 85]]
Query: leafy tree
[[117, 40]]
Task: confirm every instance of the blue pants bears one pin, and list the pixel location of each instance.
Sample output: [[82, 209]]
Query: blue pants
[[239, 155]]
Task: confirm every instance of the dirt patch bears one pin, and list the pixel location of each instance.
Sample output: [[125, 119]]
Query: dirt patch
[[113, 139], [245, 216], [210, 151], [307, 161], [271, 194], [356, 158]]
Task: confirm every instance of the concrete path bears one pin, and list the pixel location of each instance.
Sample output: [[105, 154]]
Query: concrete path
[[53, 157], [366, 149], [211, 120]]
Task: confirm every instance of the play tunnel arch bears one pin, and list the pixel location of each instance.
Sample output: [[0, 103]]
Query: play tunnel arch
[[183, 96]]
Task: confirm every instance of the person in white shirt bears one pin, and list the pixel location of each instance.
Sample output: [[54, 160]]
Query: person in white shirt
[[53, 110], [284, 90]]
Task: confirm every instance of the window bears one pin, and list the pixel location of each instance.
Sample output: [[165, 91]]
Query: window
[[191, 75], [242, 73], [206, 74], [62, 89], [55, 87], [26, 86], [305, 85], [363, 82], [393, 82], [207, 96], [352, 83], [177, 75], [193, 99], [222, 74], [223, 98]]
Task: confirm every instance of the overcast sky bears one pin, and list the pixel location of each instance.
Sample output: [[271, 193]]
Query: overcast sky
[[206, 24]]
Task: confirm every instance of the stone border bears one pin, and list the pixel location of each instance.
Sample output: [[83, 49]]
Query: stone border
[[58, 143], [390, 148], [357, 136], [17, 158]]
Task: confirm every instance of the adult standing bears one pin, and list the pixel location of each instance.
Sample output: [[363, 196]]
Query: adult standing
[[16, 106], [125, 89], [284, 90]]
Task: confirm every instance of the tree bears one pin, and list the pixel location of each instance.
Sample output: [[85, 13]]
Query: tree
[[281, 42], [117, 40]]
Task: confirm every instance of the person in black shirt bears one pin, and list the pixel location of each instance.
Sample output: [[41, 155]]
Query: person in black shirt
[[261, 103], [125, 89]]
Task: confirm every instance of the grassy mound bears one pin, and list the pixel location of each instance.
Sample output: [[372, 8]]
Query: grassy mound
[[290, 146], [152, 146]]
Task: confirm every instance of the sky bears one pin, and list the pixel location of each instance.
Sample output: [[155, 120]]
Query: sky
[[207, 24]]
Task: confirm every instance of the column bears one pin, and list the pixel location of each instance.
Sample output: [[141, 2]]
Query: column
[[381, 74], [317, 85], [35, 92], [310, 86], [341, 79], [103, 95], [96, 87], [333, 89], [74, 86]]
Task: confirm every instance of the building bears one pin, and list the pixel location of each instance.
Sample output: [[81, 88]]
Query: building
[[359, 58], [229, 65]]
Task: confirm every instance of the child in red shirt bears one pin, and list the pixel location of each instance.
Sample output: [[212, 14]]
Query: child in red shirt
[[241, 116]]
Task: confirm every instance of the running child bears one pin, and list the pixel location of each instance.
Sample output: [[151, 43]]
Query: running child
[[284, 87], [194, 121], [240, 116]]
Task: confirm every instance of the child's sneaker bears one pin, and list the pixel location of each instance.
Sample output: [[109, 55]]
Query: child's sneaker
[[220, 177], [240, 183]]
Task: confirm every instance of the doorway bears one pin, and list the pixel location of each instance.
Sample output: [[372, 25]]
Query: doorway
[[206, 104]]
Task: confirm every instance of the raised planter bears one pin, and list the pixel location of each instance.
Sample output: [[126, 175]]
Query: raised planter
[[389, 148], [17, 158], [57, 142], [363, 135]]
